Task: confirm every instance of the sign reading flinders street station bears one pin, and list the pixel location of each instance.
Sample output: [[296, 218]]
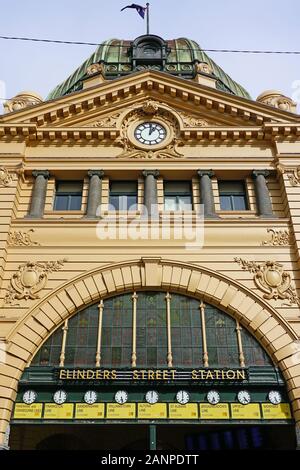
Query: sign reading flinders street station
[[111, 375]]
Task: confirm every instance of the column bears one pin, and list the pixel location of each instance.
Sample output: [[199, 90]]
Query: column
[[263, 200], [38, 198], [94, 196], [206, 193], [150, 192]]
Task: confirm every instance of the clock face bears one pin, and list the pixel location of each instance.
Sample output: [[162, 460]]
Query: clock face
[[152, 397], [182, 397], [244, 397], [90, 397], [121, 397], [60, 397], [29, 397], [213, 397], [274, 397], [150, 133]]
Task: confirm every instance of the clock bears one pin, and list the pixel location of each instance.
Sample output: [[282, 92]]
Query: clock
[[150, 133], [213, 397], [182, 397], [90, 397], [152, 397], [29, 397], [244, 397], [274, 397], [121, 397], [60, 397]]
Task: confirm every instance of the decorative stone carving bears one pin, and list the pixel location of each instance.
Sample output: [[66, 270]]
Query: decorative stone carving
[[5, 177], [95, 68], [190, 121], [22, 100], [132, 152], [271, 279], [150, 107], [108, 121], [279, 238], [204, 67], [277, 100], [19, 238], [294, 176], [30, 279]]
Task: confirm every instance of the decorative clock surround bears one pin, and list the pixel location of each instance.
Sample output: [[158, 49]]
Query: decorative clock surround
[[150, 132]]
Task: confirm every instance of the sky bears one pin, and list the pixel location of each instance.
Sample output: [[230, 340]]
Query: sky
[[217, 24]]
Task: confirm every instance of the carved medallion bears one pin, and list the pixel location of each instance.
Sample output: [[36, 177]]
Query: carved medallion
[[30, 279], [279, 238], [5, 177], [19, 238], [271, 279]]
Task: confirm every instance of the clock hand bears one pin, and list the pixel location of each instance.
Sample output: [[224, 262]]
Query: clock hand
[[151, 129]]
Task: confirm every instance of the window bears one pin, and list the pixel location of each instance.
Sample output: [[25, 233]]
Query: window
[[178, 196], [68, 196], [123, 195], [151, 335], [233, 196]]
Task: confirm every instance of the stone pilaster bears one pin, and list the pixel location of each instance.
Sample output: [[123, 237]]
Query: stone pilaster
[[206, 193], [94, 196], [150, 192], [39, 191], [263, 199]]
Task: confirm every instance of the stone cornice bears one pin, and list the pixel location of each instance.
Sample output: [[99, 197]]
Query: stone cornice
[[155, 84], [33, 133]]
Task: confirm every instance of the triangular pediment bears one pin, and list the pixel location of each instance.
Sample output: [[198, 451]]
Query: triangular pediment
[[196, 105]]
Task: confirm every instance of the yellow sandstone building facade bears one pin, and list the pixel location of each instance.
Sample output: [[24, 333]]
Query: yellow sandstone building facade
[[149, 258]]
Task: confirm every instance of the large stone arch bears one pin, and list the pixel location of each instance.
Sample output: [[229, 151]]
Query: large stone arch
[[260, 319]]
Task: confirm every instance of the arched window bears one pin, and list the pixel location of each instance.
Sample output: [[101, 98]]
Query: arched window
[[151, 329]]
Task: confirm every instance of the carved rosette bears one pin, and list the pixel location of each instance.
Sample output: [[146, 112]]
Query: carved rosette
[[5, 177], [30, 279], [279, 238], [271, 279], [19, 238]]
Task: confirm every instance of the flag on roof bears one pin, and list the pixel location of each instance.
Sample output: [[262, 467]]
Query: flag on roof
[[141, 10]]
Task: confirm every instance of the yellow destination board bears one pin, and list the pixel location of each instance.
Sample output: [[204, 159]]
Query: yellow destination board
[[251, 411], [282, 411], [125, 411], [33, 411], [83, 411], [220, 411], [53, 411], [189, 411], [156, 411]]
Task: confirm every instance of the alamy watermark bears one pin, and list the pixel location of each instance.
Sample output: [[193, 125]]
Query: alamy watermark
[[185, 227]]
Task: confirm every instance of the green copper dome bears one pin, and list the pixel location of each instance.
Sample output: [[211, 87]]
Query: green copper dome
[[177, 57]]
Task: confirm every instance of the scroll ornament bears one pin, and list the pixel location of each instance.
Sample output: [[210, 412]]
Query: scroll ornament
[[19, 238], [279, 238], [271, 279], [30, 279], [5, 177], [292, 174]]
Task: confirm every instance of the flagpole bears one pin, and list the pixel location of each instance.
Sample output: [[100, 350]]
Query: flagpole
[[148, 21]]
